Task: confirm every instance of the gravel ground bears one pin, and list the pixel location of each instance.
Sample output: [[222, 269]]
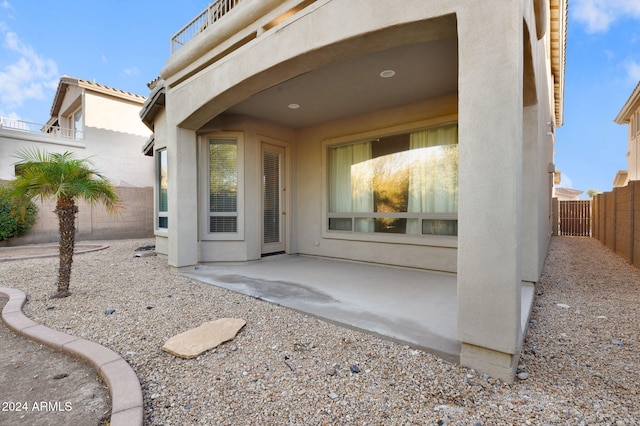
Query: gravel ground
[[581, 353]]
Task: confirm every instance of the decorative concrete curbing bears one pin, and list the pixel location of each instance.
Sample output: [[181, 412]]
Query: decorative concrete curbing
[[80, 248], [124, 387]]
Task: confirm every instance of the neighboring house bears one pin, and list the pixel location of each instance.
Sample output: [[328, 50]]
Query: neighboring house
[[567, 194], [417, 133], [90, 120], [630, 114], [97, 122]]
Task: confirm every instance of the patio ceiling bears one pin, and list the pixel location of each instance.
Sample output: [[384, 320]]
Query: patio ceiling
[[355, 86]]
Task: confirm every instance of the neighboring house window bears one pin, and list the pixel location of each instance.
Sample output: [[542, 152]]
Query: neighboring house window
[[163, 200], [77, 124], [400, 184], [223, 185]]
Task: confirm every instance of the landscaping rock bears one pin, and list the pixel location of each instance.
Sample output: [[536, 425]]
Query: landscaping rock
[[192, 343]]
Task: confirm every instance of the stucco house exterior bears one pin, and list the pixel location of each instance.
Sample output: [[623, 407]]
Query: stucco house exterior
[[97, 122], [630, 115], [91, 120], [566, 194], [415, 134]]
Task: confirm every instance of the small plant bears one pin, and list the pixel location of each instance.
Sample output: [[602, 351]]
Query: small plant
[[16, 216]]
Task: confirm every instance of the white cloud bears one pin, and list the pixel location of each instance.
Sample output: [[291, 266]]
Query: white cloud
[[5, 4], [29, 76], [633, 70], [565, 181], [129, 72], [598, 15]]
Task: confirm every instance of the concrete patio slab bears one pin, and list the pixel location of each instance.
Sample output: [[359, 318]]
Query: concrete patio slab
[[415, 307], [410, 306]]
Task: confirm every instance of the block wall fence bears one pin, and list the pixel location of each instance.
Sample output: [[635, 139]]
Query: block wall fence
[[616, 221], [93, 222]]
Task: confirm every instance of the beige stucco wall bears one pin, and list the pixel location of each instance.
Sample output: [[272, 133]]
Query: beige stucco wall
[[11, 141], [117, 155], [104, 112], [113, 138]]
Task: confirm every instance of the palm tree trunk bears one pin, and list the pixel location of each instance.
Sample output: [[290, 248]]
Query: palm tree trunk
[[66, 211]]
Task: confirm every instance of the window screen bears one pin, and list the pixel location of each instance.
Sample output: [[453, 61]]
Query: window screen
[[223, 185], [163, 200]]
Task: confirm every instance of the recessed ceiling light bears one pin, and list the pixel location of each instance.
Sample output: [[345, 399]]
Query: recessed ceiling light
[[387, 73], [294, 106]]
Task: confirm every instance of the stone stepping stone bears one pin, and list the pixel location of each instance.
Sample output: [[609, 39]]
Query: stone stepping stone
[[193, 342]]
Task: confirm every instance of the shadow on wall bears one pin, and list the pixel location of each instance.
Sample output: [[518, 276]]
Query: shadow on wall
[[93, 222]]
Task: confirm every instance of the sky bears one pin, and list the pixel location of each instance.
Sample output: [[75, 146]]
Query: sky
[[125, 43]]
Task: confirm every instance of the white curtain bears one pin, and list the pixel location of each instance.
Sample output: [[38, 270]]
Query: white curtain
[[352, 182], [362, 185], [341, 161], [433, 176]]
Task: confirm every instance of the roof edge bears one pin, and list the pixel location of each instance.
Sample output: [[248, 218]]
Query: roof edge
[[558, 63], [154, 103], [624, 116], [66, 81]]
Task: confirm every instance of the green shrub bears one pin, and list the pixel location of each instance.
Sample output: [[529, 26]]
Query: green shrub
[[13, 223]]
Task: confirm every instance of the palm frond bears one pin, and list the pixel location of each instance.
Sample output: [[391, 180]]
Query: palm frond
[[62, 175]]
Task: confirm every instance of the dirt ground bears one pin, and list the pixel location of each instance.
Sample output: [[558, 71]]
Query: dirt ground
[[40, 386]]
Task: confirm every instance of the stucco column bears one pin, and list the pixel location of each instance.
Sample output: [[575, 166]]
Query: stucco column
[[183, 197], [532, 196], [490, 179]]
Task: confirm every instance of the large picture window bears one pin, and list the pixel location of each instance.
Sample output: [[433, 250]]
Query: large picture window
[[223, 185], [163, 200], [400, 184]]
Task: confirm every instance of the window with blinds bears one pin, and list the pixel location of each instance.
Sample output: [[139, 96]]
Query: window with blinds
[[223, 185], [163, 199], [271, 197]]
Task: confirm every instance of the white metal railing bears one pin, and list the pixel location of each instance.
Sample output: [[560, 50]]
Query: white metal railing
[[30, 127], [204, 20]]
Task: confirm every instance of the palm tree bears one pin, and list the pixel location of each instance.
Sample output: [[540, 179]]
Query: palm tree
[[66, 178]]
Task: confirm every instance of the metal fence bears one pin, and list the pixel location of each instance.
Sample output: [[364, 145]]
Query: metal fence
[[30, 127], [204, 20]]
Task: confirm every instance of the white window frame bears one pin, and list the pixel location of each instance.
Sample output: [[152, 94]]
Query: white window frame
[[77, 134], [420, 239], [204, 177], [160, 214]]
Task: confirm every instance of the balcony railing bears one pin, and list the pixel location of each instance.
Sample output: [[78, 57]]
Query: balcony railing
[[204, 20], [30, 127]]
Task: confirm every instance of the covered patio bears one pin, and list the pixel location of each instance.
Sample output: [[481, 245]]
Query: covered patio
[[290, 128], [411, 306]]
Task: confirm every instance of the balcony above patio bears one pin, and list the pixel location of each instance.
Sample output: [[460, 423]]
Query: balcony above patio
[[223, 27], [33, 129]]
